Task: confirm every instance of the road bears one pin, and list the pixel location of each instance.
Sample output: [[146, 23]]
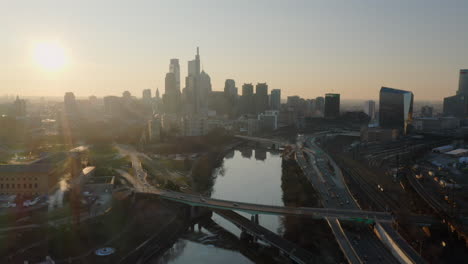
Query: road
[[296, 253], [326, 177]]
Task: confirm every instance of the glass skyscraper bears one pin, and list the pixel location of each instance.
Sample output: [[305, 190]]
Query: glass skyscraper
[[395, 109]]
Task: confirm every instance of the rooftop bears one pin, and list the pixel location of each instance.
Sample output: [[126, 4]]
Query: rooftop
[[393, 90]]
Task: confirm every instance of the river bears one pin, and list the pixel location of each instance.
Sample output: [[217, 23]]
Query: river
[[255, 176]]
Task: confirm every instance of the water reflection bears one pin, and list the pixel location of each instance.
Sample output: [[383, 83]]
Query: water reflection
[[263, 180]]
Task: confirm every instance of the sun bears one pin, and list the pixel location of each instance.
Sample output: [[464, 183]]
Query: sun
[[50, 56]]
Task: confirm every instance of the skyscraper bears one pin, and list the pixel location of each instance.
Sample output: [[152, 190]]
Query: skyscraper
[[19, 107], [146, 95], [247, 103], [463, 82], [332, 105], [261, 97], [369, 109], [319, 104], [174, 67], [171, 97], [230, 94], [396, 109], [194, 65], [275, 99], [69, 102], [457, 105], [194, 93]]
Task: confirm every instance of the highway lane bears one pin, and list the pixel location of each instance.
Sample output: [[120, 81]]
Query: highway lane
[[296, 253], [326, 177]]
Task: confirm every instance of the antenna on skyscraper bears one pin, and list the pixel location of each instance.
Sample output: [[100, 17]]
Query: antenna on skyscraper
[[198, 51]]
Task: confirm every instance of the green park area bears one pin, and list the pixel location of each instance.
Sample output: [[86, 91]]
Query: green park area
[[106, 158]]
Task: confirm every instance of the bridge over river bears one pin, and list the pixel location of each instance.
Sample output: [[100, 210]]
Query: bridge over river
[[251, 208]]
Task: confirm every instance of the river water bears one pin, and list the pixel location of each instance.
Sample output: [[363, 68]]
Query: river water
[[246, 175]]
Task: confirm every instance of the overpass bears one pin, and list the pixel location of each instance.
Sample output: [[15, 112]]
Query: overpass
[[297, 254], [201, 201]]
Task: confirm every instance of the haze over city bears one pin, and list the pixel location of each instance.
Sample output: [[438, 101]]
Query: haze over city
[[305, 48], [176, 132]]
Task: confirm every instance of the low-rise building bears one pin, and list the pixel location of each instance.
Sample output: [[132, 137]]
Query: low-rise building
[[435, 124], [375, 134], [269, 120]]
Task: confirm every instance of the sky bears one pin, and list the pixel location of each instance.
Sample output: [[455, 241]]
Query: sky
[[305, 48]]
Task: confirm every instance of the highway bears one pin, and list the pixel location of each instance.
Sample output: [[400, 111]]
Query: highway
[[323, 173], [198, 200], [294, 252]]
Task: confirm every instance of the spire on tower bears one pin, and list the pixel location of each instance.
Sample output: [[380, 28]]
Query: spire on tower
[[198, 53]]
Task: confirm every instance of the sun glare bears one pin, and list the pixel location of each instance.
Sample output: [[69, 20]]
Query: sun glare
[[50, 56]]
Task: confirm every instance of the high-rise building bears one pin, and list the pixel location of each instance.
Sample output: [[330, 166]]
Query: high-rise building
[[194, 92], [247, 89], [319, 104], [69, 102], [126, 95], [275, 99], [194, 65], [146, 95], [395, 109], [174, 67], [230, 94], [157, 94], [369, 109], [171, 97], [457, 105], [247, 102], [463, 82], [19, 107], [261, 97], [230, 89], [332, 105]]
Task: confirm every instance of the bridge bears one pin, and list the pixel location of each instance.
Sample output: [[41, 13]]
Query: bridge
[[297, 254], [254, 209]]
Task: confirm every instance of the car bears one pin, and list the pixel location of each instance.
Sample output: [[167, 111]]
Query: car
[[235, 204], [203, 200]]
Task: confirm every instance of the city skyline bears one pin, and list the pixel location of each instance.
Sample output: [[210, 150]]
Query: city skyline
[[420, 50]]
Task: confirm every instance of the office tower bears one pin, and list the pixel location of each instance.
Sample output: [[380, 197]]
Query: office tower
[[174, 67], [275, 99], [457, 105], [426, 111], [193, 91], [395, 109], [230, 89], [247, 89], [157, 94], [204, 89], [112, 105], [127, 95], [261, 97], [369, 109], [332, 105], [194, 65], [171, 96], [319, 104], [247, 103], [19, 107], [146, 96], [463, 82], [230, 95], [69, 102]]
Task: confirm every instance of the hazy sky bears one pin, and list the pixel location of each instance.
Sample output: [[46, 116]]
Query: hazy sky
[[305, 48]]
